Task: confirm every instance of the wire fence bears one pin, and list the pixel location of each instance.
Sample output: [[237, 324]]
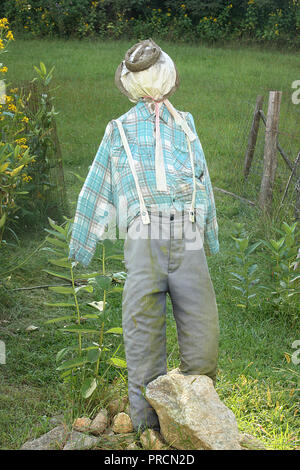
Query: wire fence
[[286, 185]]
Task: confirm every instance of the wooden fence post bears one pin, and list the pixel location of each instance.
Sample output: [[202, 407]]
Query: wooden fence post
[[270, 150], [253, 136]]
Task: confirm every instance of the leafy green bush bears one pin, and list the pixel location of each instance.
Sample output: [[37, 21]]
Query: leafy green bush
[[280, 265], [14, 151], [190, 20]]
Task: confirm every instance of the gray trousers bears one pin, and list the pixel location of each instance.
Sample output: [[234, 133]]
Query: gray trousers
[[166, 256]]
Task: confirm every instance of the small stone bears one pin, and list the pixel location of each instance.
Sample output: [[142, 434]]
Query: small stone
[[117, 405], [109, 432], [53, 439], [151, 440], [99, 423], [79, 441], [122, 424], [32, 328], [249, 442], [82, 424], [133, 446]]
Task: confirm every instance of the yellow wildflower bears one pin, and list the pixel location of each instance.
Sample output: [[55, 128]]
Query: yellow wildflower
[[10, 36], [4, 69], [25, 119], [168, 14], [26, 178], [4, 23], [24, 146], [215, 19], [23, 140], [8, 99], [183, 5], [1, 44], [13, 90], [12, 107]]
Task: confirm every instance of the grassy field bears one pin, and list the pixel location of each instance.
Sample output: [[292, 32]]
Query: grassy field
[[219, 87]]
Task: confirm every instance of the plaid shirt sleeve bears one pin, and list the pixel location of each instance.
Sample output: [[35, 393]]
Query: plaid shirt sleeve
[[211, 241], [94, 205]]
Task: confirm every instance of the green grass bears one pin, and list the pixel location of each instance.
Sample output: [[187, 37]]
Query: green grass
[[219, 87]]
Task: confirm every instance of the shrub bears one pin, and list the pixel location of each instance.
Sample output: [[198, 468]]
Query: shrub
[[14, 151], [263, 20]]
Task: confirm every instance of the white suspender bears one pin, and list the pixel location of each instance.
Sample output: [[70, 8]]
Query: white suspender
[[190, 136], [143, 210], [192, 207]]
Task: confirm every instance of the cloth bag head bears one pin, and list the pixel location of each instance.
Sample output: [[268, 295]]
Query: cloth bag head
[[147, 71]]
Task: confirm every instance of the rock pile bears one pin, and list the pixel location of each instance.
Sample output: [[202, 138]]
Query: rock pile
[[191, 417]]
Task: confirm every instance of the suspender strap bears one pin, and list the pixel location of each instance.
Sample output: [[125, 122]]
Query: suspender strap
[[143, 210], [190, 137], [192, 208]]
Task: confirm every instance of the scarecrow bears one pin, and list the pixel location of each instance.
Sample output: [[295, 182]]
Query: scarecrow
[[150, 172]]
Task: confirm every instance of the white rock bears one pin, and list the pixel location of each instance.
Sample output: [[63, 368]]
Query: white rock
[[82, 424], [117, 405], [52, 440], [151, 440], [122, 424], [32, 328], [249, 442], [132, 446], [99, 423], [191, 414], [79, 441]]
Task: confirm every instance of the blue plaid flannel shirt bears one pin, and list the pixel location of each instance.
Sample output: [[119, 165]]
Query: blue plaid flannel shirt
[[110, 186]]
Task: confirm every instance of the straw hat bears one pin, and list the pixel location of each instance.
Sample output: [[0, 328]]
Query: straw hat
[[147, 71]]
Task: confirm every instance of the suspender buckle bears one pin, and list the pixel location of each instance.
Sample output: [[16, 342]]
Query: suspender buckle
[[145, 217], [192, 215]]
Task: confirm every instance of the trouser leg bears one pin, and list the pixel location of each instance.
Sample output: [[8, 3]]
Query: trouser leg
[[144, 325], [195, 311]]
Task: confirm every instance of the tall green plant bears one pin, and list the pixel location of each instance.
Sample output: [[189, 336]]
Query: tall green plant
[[283, 253], [245, 281], [79, 364]]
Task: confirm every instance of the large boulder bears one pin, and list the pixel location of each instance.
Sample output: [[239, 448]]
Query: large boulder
[[191, 414]]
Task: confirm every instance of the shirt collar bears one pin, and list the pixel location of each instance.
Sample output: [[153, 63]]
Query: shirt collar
[[146, 113]]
